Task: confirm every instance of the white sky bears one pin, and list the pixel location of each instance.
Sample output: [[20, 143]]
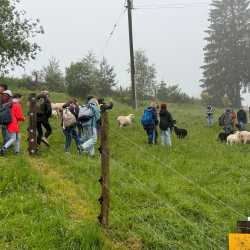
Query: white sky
[[172, 38]]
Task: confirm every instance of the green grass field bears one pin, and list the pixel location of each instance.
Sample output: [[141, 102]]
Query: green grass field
[[186, 197]]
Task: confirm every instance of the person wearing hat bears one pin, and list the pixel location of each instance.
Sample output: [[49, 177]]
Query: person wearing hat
[[5, 99]]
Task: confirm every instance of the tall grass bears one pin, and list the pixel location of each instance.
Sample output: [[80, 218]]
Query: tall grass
[[186, 197]]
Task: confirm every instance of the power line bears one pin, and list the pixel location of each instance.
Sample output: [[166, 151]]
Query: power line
[[171, 5], [115, 27]]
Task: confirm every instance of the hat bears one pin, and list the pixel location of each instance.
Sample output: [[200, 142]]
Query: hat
[[8, 92]]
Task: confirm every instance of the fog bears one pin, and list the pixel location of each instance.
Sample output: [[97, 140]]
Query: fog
[[173, 36]]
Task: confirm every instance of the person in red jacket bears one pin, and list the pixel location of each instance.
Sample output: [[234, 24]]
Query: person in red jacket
[[13, 128]]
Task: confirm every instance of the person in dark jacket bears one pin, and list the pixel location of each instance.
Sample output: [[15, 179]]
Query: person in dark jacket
[[70, 131], [242, 118], [228, 121], [44, 112], [166, 123]]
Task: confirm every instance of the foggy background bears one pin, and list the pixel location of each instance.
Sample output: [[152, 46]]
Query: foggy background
[[173, 38]]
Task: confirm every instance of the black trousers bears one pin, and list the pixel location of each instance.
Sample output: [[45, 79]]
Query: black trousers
[[40, 126]]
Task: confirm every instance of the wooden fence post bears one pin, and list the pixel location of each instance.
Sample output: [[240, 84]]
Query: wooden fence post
[[104, 181], [32, 139]]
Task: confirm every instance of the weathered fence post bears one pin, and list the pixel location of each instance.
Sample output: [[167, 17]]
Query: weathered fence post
[[32, 139], [104, 181]]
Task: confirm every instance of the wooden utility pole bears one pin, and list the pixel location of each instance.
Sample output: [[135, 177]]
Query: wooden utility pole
[[132, 60], [32, 125], [104, 181]]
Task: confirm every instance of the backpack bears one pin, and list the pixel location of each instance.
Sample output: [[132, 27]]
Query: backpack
[[86, 113], [147, 118], [5, 114], [222, 120], [68, 118]]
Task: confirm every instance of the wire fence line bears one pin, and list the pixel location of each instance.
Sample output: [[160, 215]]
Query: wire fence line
[[187, 179]]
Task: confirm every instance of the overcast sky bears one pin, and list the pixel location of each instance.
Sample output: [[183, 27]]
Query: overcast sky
[[173, 38]]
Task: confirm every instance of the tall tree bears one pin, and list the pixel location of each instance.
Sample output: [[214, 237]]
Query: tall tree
[[16, 31], [145, 76], [226, 69], [107, 78], [82, 78], [53, 76]]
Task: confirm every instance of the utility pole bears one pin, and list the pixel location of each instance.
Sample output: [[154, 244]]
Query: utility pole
[[132, 60]]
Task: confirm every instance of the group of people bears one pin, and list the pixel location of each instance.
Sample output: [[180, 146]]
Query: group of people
[[79, 123], [229, 120], [152, 119], [11, 114]]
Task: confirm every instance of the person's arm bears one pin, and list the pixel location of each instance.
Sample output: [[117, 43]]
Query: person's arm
[[17, 109], [155, 117]]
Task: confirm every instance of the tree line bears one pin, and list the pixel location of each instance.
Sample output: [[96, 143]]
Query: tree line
[[88, 75]]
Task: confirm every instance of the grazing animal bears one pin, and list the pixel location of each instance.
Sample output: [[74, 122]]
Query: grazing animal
[[57, 108], [125, 120], [54, 113], [244, 137], [180, 132], [234, 138], [222, 137]]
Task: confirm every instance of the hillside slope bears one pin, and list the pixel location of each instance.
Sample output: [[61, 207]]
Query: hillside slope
[[187, 197]]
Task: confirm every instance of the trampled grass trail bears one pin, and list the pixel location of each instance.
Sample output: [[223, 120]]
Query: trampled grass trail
[[188, 197]]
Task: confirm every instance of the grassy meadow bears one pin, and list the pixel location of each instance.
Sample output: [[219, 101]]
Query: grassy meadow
[[188, 197]]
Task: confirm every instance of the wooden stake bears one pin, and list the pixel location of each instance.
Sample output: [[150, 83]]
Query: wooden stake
[[32, 139], [104, 149]]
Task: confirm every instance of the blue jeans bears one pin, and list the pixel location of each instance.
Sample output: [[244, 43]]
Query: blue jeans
[[89, 139], [166, 137], [151, 135], [210, 120], [14, 138], [242, 125], [70, 133], [5, 134]]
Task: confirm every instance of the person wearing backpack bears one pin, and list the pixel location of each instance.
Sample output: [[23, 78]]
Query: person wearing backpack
[[44, 112], [69, 123], [5, 103], [166, 123], [13, 127], [228, 121], [149, 122], [89, 116]]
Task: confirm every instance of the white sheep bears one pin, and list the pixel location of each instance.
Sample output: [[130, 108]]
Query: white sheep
[[234, 139], [57, 109], [125, 120], [245, 137]]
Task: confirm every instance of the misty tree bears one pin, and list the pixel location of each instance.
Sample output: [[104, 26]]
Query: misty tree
[[227, 53], [145, 76], [16, 34], [172, 93], [53, 76], [82, 78], [107, 78]]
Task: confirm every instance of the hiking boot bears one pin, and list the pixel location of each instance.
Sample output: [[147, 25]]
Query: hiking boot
[[45, 141], [2, 152]]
